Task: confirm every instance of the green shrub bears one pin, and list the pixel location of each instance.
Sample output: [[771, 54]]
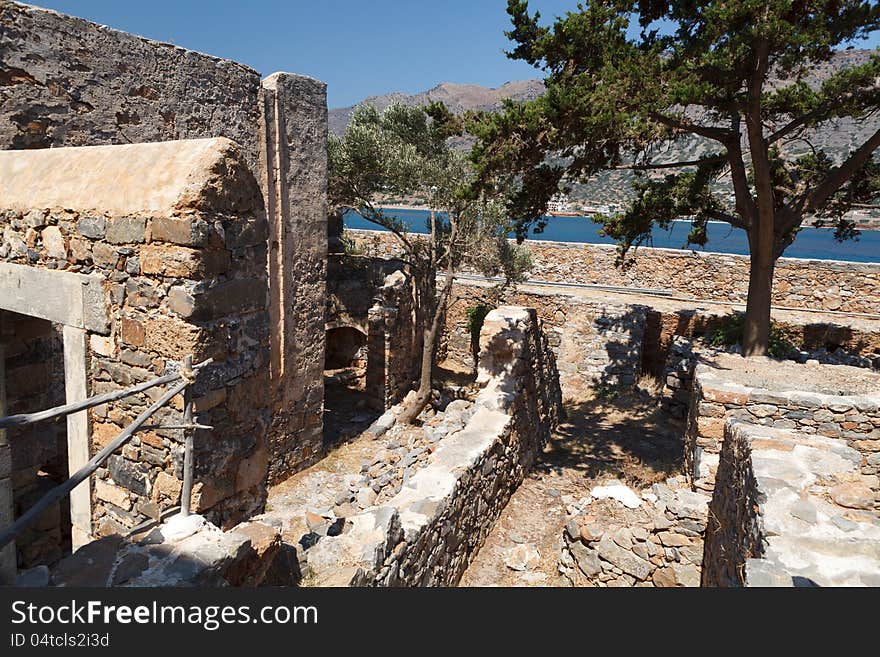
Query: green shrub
[[732, 327], [606, 391], [475, 316], [351, 246]]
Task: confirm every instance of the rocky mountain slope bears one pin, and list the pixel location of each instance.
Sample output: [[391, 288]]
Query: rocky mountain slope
[[838, 138]]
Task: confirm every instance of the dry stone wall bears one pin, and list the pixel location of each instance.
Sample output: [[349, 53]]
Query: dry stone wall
[[427, 533], [854, 417], [790, 509], [654, 538], [812, 284], [593, 343], [185, 278]]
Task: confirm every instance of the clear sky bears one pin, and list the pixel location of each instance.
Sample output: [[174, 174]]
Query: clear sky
[[359, 48]]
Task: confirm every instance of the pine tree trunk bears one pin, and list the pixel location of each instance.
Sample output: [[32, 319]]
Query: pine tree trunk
[[756, 330]]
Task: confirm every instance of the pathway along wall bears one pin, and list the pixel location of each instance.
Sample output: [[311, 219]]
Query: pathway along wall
[[812, 284], [70, 82], [427, 534], [169, 241]]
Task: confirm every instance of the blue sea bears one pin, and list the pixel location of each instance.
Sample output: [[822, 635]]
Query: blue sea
[[811, 243]]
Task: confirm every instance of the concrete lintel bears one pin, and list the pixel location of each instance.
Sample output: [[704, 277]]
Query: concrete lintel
[[63, 297]]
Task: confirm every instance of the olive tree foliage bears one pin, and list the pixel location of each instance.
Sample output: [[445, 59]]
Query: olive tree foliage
[[406, 151], [626, 80]]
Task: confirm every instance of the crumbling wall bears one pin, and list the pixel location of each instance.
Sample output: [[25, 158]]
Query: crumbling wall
[[790, 509], [716, 397], [594, 343], [377, 296], [798, 283], [427, 533], [69, 82], [171, 239]]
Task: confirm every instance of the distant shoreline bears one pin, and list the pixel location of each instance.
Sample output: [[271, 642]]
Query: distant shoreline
[[402, 206]]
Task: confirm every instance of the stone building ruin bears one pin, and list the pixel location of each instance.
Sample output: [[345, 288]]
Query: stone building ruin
[[158, 203]]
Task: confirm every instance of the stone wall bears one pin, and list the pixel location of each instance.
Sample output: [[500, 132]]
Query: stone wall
[[70, 82], [594, 343], [177, 266], [790, 509], [655, 537], [427, 533], [377, 297], [719, 394], [812, 284], [34, 376]]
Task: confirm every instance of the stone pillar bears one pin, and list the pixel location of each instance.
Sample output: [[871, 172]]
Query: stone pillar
[[76, 389], [375, 376], [294, 180], [7, 508]]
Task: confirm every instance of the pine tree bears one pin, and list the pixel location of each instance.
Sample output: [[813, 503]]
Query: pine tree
[[627, 79]]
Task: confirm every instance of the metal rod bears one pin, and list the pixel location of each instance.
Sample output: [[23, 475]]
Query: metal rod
[[91, 402], [186, 491], [57, 493]]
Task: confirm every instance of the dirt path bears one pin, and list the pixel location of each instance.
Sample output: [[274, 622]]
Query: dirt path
[[626, 438]]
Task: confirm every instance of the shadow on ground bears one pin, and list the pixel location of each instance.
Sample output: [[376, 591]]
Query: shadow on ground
[[627, 436], [347, 412]]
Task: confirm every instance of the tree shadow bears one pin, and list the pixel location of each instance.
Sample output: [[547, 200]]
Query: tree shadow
[[628, 437]]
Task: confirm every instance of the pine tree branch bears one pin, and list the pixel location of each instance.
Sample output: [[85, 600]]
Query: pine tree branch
[[710, 132], [838, 176]]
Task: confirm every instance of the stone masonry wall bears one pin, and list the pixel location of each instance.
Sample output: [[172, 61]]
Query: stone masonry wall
[[427, 533], [854, 418], [822, 284], [377, 297], [70, 82], [182, 270], [790, 509], [34, 371], [593, 343]]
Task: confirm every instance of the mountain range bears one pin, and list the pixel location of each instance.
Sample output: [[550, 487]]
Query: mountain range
[[836, 137]]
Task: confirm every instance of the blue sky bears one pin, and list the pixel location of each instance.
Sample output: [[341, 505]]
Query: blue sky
[[358, 47]]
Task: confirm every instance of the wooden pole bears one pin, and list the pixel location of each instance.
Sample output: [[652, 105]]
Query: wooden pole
[[186, 492], [30, 418], [57, 493]]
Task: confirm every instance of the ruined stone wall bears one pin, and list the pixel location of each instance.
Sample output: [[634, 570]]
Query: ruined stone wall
[[789, 509], [813, 284], [294, 170], [179, 267], [428, 532], [377, 296], [593, 343], [69, 82], [854, 418]]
